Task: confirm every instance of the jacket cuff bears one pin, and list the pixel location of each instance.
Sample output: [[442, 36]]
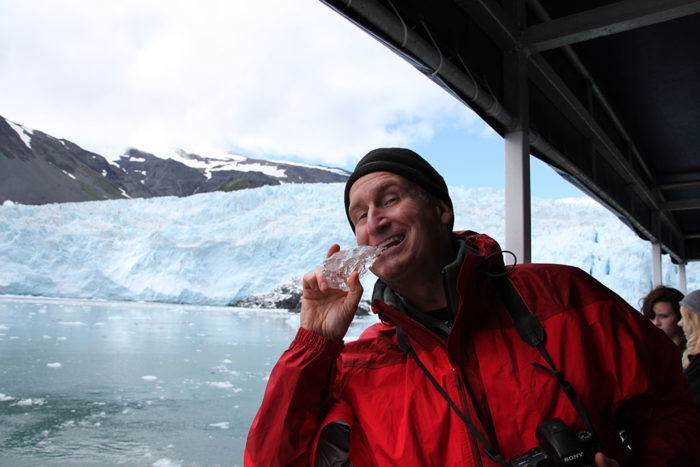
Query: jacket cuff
[[317, 343]]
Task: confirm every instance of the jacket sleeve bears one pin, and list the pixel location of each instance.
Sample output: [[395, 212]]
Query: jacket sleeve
[[632, 379], [294, 404], [663, 426]]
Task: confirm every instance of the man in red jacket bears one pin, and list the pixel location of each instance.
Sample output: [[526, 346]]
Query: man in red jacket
[[470, 357]]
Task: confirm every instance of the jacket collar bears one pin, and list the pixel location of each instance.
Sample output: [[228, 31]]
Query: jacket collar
[[466, 243]]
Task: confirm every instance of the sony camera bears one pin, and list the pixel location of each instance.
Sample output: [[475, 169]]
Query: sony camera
[[559, 445]]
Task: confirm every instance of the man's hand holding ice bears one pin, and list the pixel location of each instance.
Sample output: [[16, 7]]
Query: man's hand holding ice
[[326, 311]]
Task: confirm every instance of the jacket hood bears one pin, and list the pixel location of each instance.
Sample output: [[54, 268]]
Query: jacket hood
[[467, 243], [483, 245]]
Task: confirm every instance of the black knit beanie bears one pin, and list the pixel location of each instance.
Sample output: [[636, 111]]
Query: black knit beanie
[[405, 163]]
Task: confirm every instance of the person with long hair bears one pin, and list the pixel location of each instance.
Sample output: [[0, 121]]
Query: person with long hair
[[690, 322], [662, 307]]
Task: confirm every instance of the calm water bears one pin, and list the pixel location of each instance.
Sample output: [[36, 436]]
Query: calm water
[[105, 383]]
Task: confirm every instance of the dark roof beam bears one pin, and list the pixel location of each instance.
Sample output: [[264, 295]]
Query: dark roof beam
[[682, 205], [543, 16], [587, 183], [672, 186], [606, 20], [502, 30], [547, 80], [593, 186], [423, 54], [493, 19], [595, 90], [552, 86], [414, 42]]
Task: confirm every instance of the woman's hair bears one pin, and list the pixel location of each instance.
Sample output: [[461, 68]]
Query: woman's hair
[[691, 329], [662, 293]]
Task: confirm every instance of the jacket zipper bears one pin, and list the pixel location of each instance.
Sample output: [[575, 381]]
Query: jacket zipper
[[473, 442]]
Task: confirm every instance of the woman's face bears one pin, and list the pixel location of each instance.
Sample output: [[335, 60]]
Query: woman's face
[[666, 319]]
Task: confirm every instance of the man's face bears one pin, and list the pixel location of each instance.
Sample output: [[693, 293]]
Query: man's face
[[666, 319], [391, 212]]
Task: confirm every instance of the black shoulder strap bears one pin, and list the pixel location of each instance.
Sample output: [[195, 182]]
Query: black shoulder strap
[[532, 333], [527, 325], [406, 346]]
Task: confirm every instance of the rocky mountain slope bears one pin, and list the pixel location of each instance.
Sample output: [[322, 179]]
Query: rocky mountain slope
[[37, 168]]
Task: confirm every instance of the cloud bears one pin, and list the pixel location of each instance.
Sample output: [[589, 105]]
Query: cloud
[[269, 79]]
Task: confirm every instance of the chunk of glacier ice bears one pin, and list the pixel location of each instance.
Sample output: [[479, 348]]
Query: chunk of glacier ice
[[338, 267]]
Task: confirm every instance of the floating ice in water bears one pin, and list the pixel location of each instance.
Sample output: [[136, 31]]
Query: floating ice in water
[[29, 402], [54, 365], [220, 384], [165, 462], [337, 268], [220, 425]]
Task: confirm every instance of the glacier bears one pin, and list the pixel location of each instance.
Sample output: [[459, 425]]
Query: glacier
[[219, 248]]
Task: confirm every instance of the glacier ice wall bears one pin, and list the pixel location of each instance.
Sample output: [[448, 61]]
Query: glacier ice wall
[[218, 248]]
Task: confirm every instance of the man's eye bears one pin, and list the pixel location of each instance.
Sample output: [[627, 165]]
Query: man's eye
[[390, 201]]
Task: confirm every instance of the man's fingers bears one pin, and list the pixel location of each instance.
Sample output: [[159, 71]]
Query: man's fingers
[[314, 280], [355, 294], [332, 250], [320, 280], [354, 281], [308, 282], [603, 461]]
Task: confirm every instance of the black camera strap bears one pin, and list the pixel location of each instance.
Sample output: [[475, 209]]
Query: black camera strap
[[531, 332], [406, 346]]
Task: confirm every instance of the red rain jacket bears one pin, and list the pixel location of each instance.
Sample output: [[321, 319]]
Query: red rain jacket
[[626, 372]]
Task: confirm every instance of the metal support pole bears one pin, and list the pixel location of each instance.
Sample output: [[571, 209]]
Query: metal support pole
[[517, 196], [682, 281], [656, 264], [517, 145]]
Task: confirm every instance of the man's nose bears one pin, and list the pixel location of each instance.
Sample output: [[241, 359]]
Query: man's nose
[[376, 219], [656, 322]]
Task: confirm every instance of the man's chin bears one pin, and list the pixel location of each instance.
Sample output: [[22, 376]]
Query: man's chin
[[389, 272]]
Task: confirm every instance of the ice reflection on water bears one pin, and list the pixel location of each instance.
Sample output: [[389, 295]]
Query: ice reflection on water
[[117, 383]]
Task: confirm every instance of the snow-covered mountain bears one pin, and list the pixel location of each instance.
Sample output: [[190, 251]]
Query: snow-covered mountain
[[252, 246], [36, 168]]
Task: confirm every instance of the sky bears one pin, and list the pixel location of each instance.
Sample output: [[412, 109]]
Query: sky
[[273, 79]]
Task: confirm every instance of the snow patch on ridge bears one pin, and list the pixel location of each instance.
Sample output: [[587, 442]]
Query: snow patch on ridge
[[22, 132]]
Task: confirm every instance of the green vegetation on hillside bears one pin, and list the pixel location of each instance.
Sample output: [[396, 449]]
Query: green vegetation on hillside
[[90, 190], [109, 188], [235, 185]]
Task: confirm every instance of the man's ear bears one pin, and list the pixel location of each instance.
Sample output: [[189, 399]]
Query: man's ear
[[444, 212]]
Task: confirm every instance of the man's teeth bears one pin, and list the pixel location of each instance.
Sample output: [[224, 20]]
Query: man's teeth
[[385, 245]]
